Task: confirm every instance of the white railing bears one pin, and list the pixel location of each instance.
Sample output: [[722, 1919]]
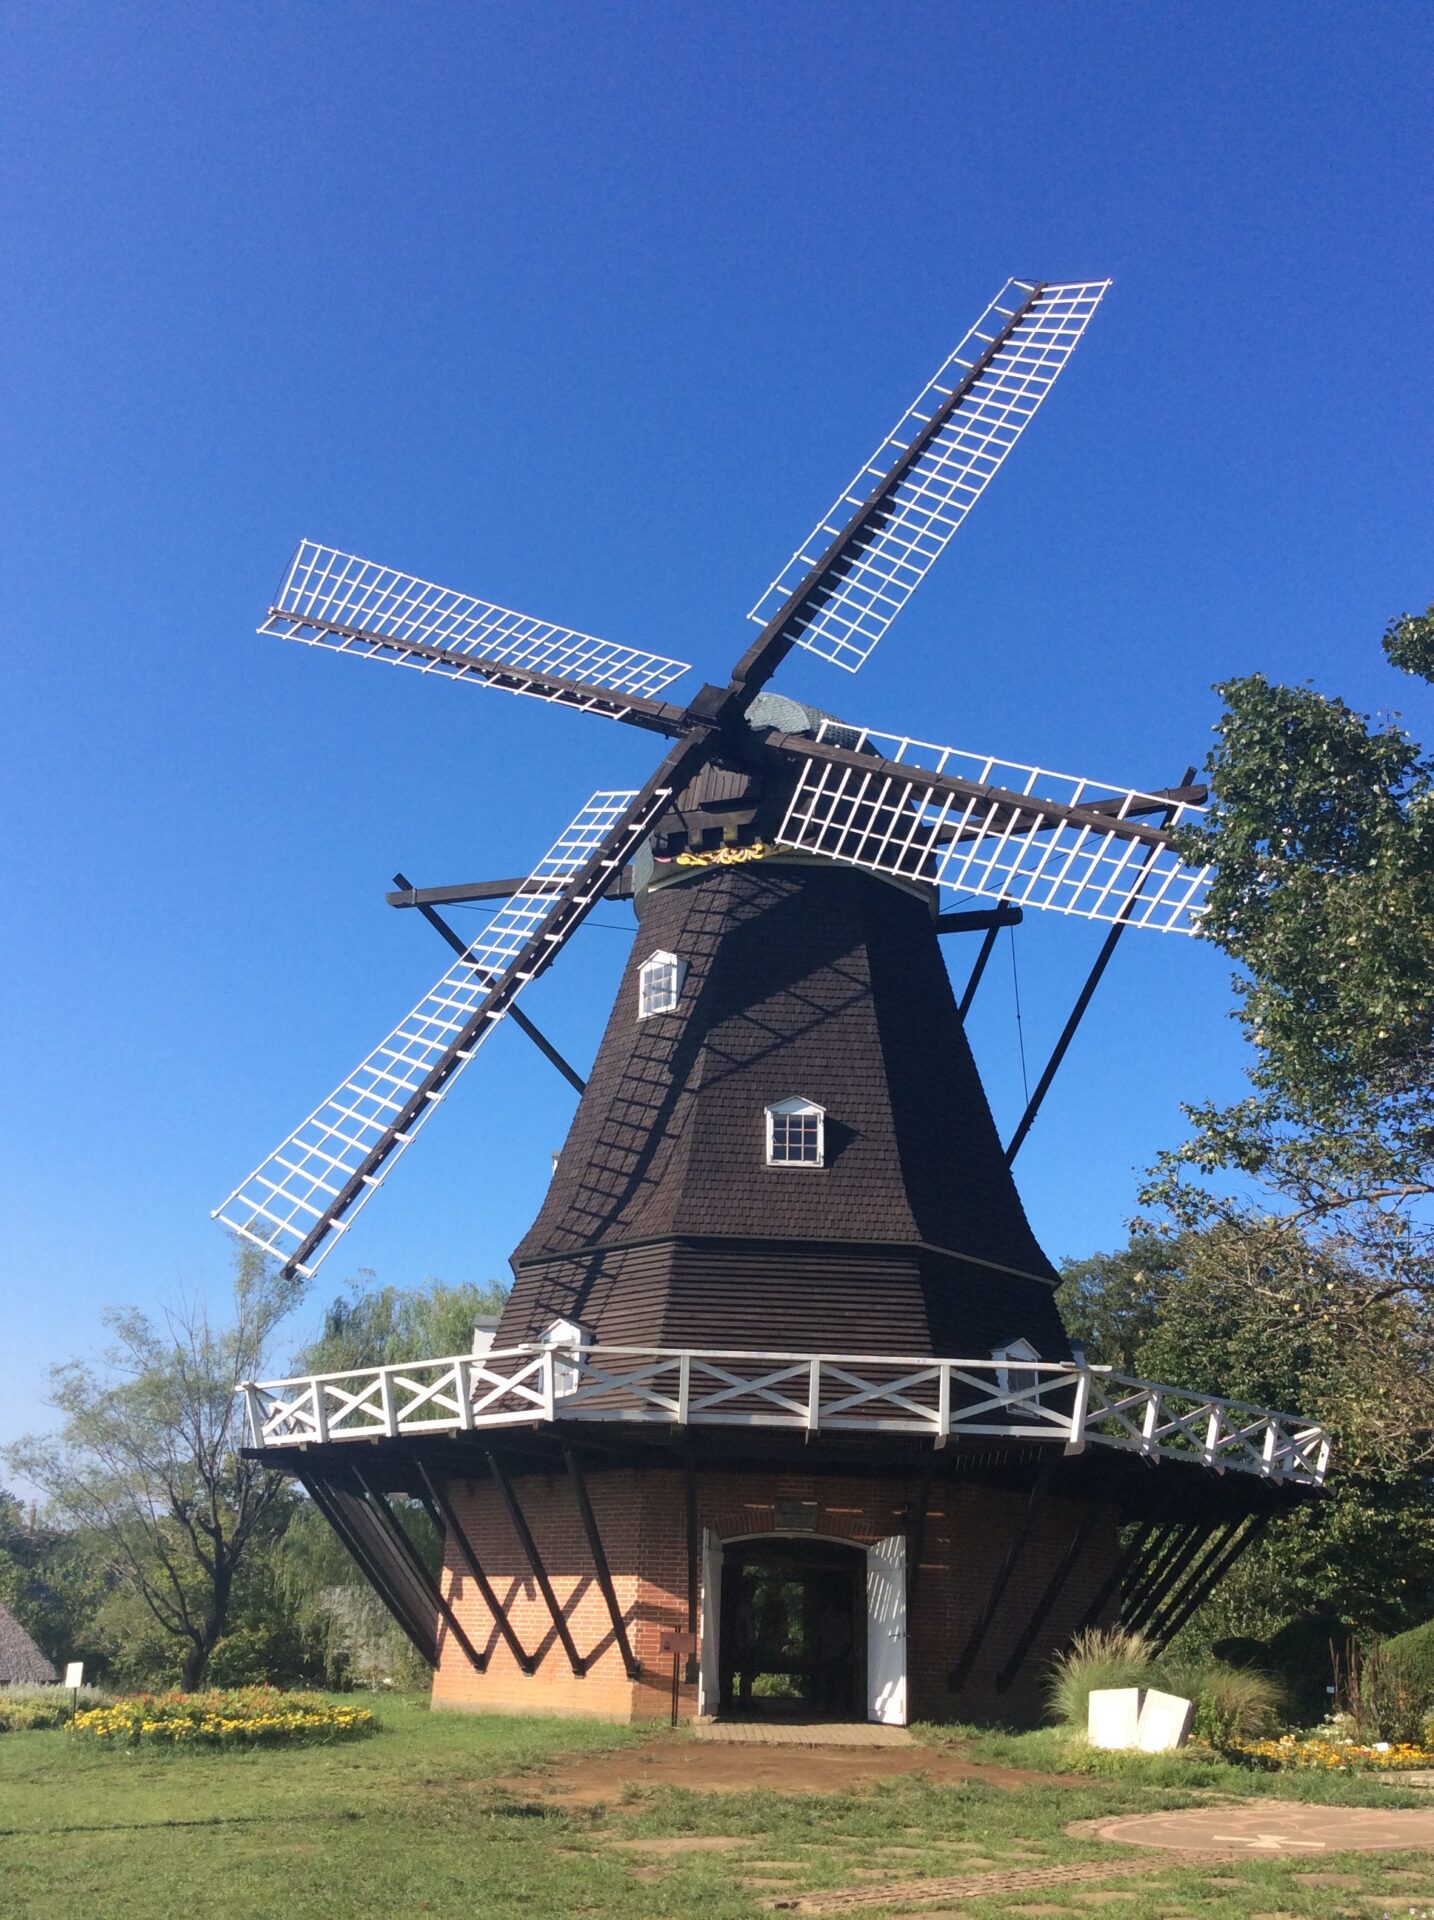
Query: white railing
[[861, 1393]]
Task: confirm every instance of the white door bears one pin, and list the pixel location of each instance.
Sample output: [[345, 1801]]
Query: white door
[[708, 1644], [886, 1631]]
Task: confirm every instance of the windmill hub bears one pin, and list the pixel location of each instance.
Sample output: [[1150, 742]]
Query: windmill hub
[[781, 1380]]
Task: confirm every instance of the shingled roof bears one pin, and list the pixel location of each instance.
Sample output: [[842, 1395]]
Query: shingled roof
[[664, 1225], [21, 1661]]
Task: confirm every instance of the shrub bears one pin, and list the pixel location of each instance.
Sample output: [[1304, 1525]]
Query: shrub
[[1415, 1651], [28, 1709], [243, 1717], [1385, 1693], [1098, 1657], [1233, 1704]]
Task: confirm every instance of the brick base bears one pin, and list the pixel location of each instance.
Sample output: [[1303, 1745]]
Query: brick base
[[642, 1519]]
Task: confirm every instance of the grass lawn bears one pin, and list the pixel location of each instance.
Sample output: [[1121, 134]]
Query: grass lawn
[[412, 1821]]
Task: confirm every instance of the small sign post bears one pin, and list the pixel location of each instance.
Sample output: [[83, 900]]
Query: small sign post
[[676, 1643], [74, 1680]]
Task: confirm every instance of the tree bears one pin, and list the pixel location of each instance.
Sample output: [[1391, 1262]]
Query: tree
[[147, 1462], [1251, 1309], [1321, 831], [373, 1326]]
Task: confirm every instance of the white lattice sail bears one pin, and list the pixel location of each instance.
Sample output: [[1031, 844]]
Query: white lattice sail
[[893, 555], [1010, 832], [292, 1193], [333, 599]]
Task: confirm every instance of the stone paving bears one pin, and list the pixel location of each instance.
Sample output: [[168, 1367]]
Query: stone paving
[[801, 1733], [1273, 1828]]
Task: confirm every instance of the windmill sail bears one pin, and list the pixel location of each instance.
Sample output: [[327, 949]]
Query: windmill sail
[[318, 1179], [934, 465], [995, 829], [354, 606]]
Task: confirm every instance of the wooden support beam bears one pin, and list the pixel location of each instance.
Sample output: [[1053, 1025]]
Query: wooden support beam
[[535, 1561], [980, 919], [390, 1522], [407, 895], [1155, 1594], [1160, 1551], [469, 1554], [363, 1560], [515, 1013], [987, 948], [1015, 1546], [1211, 1576], [1188, 1575], [1065, 1567], [1111, 1585], [1093, 979], [600, 1565]]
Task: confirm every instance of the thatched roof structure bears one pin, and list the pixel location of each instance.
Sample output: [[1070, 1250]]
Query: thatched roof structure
[[21, 1661]]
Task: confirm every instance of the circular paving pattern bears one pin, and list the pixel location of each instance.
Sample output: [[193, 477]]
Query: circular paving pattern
[[1274, 1827]]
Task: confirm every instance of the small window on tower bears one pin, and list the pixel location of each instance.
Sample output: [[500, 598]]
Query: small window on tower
[[659, 984], [796, 1133]]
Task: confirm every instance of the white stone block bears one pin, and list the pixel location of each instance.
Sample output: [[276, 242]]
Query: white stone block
[[1113, 1716], [1164, 1722]]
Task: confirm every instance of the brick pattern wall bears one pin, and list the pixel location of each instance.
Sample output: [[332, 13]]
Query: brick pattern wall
[[641, 1517]]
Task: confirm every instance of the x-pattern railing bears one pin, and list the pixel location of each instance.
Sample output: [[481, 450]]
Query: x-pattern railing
[[867, 1393]]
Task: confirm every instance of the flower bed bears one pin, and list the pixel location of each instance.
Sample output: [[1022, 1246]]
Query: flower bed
[[243, 1717], [1320, 1753]]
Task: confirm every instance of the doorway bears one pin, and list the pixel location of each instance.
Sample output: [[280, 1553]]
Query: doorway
[[793, 1632]]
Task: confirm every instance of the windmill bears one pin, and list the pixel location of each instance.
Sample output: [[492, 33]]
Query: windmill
[[791, 870]]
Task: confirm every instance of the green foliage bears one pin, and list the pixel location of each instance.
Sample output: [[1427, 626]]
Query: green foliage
[[1414, 1649], [1097, 1657], [1386, 1697], [33, 1709], [53, 1583], [146, 1468], [1409, 643], [1251, 1309], [1321, 830], [378, 1326]]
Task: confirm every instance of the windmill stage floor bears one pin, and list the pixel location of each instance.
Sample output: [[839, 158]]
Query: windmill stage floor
[[445, 1814]]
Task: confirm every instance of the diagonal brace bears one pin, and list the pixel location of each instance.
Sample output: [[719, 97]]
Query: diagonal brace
[[465, 1546], [535, 1561], [600, 1565], [384, 1513]]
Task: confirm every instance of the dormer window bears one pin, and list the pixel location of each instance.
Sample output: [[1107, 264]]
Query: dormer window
[[1011, 1376], [566, 1340], [796, 1133], [659, 984]]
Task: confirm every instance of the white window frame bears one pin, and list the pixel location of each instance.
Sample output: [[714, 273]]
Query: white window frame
[[566, 1340], [1015, 1351], [796, 1104], [654, 965]]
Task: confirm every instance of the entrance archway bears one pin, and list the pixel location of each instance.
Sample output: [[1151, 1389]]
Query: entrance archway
[[793, 1628]]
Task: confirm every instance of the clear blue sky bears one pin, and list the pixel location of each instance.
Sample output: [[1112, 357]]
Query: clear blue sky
[[591, 309]]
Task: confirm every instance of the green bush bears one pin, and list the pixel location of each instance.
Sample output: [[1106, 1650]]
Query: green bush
[[1386, 1694], [27, 1709], [1233, 1703], [1415, 1651], [1098, 1657]]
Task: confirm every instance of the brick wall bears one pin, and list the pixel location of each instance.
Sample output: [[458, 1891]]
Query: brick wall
[[641, 1517]]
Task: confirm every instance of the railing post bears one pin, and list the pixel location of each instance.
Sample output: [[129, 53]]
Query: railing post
[[814, 1395], [321, 1412], [684, 1386], [1212, 1436], [462, 1375], [1150, 1422], [1267, 1452], [255, 1408], [943, 1403], [549, 1384], [385, 1396], [1076, 1442], [1322, 1464]]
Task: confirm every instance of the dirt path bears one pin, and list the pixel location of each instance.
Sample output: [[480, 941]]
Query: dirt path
[[710, 1766]]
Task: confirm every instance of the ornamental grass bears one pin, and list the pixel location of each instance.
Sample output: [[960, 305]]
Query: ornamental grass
[[237, 1717]]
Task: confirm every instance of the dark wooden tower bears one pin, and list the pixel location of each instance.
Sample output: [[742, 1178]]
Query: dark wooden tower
[[781, 1382]]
